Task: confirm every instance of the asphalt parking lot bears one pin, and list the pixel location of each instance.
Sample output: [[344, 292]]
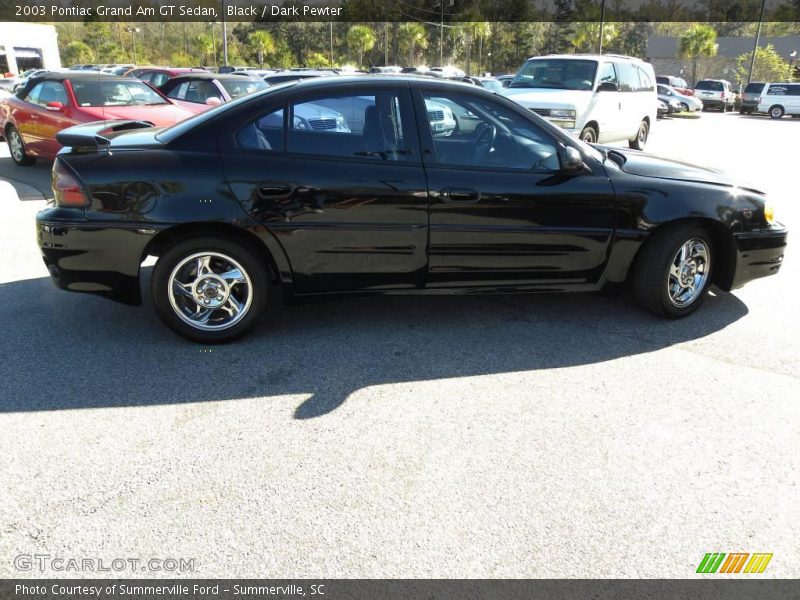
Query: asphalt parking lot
[[527, 436]]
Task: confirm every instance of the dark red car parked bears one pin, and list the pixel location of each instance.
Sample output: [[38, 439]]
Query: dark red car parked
[[51, 102], [158, 76]]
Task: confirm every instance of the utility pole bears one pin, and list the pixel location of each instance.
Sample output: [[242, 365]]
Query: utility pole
[[214, 41], [602, 25], [386, 33], [224, 37], [331, 32], [133, 31], [755, 47]]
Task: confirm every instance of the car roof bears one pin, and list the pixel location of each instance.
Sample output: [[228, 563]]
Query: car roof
[[209, 76]]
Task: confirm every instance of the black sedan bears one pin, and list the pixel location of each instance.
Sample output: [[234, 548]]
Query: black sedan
[[245, 199]]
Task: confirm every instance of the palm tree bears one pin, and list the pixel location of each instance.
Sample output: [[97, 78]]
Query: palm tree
[[586, 34], [262, 44], [699, 40], [362, 38], [413, 35]]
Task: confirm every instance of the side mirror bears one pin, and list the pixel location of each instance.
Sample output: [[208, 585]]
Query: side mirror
[[608, 86], [213, 101], [54, 106], [571, 160]]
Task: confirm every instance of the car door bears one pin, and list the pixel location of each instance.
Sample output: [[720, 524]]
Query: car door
[[346, 200], [51, 120], [607, 107], [502, 212]]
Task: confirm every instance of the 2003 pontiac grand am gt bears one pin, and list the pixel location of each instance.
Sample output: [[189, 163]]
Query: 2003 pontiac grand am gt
[[248, 197]]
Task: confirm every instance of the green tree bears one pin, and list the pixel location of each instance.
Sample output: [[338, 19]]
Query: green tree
[[362, 38], [205, 44], [587, 34], [77, 53], [769, 66], [261, 43], [480, 30], [700, 40], [412, 35], [317, 60]]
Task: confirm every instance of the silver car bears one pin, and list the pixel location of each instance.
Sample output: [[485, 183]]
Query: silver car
[[688, 103]]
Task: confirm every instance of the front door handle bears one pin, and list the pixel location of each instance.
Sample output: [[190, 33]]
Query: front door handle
[[460, 195], [273, 189]]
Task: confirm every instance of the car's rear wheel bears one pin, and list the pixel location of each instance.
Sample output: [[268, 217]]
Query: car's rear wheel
[[776, 112], [640, 141], [16, 147], [210, 290], [673, 271], [589, 134]]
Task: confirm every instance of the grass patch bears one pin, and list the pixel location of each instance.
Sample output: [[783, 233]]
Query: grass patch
[[686, 115]]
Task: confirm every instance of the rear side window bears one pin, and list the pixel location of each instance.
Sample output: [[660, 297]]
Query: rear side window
[[628, 77], [783, 89], [367, 126]]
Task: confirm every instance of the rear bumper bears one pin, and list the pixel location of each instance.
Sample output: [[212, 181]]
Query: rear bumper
[[758, 254], [712, 103], [94, 258]]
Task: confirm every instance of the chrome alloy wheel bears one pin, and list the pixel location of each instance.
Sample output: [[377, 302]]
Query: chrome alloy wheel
[[688, 272], [15, 145], [210, 291]]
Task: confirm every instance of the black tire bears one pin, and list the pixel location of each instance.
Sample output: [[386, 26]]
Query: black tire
[[589, 134], [776, 112], [21, 157], [640, 141], [248, 260], [651, 271], [684, 107]]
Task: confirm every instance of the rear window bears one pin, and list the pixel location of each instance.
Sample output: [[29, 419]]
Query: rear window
[[714, 86], [754, 88]]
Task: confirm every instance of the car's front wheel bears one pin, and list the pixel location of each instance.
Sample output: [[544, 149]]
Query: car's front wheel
[[17, 148], [589, 135], [673, 271], [210, 290], [639, 142]]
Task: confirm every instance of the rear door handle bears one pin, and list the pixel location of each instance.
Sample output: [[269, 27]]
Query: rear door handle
[[273, 189], [460, 195]]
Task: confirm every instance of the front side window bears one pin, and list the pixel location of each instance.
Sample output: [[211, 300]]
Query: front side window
[[198, 91], [607, 74], [367, 126], [100, 92], [264, 133], [471, 131], [237, 88], [46, 92], [557, 73]]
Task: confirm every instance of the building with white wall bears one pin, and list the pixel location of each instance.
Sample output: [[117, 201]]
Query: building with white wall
[[26, 46]]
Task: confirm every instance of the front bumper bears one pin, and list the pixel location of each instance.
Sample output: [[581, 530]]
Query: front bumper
[[758, 254], [90, 257]]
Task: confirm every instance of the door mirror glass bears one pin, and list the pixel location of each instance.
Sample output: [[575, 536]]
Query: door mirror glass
[[572, 160], [608, 86], [55, 106]]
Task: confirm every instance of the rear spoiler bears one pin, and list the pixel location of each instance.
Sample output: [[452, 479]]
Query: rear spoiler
[[88, 136]]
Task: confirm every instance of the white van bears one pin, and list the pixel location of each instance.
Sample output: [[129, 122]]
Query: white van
[[778, 99], [599, 98]]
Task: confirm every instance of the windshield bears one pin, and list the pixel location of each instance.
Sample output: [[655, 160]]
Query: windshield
[[236, 88], [556, 73], [100, 92]]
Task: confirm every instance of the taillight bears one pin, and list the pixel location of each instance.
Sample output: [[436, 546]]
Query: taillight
[[67, 190], [723, 95]]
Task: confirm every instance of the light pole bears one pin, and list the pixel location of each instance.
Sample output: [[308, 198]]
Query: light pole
[[224, 36], [755, 46], [602, 23], [440, 4], [133, 31]]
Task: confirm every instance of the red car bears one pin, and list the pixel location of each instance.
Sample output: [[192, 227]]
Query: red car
[[158, 76], [54, 101]]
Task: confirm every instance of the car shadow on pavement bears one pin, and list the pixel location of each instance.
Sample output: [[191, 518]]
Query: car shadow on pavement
[[68, 351]]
